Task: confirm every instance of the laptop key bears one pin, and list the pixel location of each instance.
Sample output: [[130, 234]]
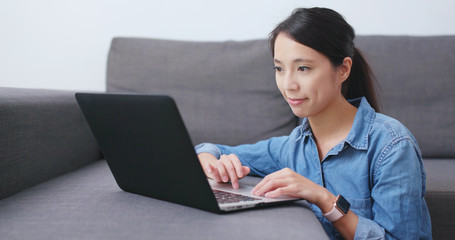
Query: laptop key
[[227, 197]]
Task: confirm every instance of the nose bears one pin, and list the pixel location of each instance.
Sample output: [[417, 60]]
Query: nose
[[290, 82]]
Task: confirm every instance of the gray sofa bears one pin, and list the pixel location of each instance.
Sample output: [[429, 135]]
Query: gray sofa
[[55, 185]]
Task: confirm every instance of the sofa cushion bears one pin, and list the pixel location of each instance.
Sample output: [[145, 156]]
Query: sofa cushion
[[417, 79], [440, 196], [43, 134], [87, 204], [225, 91]]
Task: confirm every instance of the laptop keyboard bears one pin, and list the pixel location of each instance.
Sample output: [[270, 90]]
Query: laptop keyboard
[[227, 197]]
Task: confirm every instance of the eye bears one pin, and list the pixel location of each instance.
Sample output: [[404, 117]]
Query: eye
[[278, 69], [303, 68]]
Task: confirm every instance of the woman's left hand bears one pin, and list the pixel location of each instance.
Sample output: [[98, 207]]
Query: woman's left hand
[[288, 182]]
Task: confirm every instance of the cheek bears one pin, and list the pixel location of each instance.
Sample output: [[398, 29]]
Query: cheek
[[309, 86], [325, 84], [279, 83]]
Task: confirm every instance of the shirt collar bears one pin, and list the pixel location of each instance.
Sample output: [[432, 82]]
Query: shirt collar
[[305, 129], [358, 136]]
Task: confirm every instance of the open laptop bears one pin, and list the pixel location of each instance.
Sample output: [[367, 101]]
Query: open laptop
[[148, 149]]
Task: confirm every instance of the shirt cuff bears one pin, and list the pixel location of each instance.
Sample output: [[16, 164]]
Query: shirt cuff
[[368, 229], [208, 148]]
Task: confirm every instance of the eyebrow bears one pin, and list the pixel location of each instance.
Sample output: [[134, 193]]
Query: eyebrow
[[295, 60]]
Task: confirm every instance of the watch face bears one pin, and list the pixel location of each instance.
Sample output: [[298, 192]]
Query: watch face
[[343, 205]]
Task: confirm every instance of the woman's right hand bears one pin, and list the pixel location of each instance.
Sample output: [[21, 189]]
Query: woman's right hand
[[227, 168]]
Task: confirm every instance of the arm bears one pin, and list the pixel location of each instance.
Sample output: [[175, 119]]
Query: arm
[[223, 163], [398, 191], [398, 188], [288, 182]]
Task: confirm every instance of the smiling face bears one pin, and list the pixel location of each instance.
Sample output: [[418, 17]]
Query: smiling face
[[306, 78]]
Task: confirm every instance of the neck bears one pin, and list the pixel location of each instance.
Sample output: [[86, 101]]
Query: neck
[[332, 125]]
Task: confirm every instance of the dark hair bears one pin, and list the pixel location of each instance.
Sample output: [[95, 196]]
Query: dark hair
[[326, 31]]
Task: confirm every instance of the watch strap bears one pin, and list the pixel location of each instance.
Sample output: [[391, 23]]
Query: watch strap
[[335, 214]]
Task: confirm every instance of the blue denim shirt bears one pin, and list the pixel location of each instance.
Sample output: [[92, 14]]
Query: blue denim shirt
[[378, 168]]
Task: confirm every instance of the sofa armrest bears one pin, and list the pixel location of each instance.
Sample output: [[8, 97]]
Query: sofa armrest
[[43, 134]]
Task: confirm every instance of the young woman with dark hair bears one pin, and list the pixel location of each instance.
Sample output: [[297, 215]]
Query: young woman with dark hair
[[360, 171]]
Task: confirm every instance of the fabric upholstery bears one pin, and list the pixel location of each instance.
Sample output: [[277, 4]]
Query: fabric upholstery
[[42, 135], [417, 80], [87, 204], [440, 196], [225, 91], [440, 174]]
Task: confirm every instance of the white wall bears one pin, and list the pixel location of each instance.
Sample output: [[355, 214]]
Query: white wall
[[63, 44]]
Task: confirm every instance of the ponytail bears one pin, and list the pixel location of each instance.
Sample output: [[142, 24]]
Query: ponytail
[[361, 82]]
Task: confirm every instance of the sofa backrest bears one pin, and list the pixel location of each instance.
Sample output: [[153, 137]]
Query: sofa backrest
[[225, 91], [417, 80]]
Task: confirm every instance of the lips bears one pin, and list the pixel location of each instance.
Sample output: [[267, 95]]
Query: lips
[[296, 101]]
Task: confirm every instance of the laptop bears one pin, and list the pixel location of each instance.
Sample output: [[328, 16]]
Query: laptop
[[149, 152]]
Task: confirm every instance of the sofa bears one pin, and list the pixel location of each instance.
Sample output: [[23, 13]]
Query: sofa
[[55, 184]]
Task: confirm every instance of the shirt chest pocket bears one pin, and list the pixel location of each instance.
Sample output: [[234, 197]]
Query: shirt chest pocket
[[361, 207]]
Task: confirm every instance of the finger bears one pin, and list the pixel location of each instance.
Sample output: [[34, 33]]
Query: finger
[[278, 192], [259, 185], [222, 171], [213, 171], [264, 181], [246, 170], [281, 174], [237, 165], [271, 185], [232, 173], [207, 170]]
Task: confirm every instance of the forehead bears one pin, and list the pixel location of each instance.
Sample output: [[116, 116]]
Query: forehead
[[287, 49]]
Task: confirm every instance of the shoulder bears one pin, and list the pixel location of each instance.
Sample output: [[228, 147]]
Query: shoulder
[[388, 130], [392, 144], [375, 131]]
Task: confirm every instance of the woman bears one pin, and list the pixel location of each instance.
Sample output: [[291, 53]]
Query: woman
[[361, 171]]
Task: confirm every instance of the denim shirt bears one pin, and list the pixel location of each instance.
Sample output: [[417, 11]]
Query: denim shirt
[[378, 168]]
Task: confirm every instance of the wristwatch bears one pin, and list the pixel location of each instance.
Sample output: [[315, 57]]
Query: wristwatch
[[340, 208]]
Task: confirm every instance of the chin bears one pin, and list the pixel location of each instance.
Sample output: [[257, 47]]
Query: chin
[[299, 113]]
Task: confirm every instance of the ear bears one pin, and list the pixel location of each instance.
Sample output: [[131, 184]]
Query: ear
[[344, 70]]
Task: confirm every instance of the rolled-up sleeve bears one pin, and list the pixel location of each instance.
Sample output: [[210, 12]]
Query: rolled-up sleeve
[[368, 229], [208, 148]]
